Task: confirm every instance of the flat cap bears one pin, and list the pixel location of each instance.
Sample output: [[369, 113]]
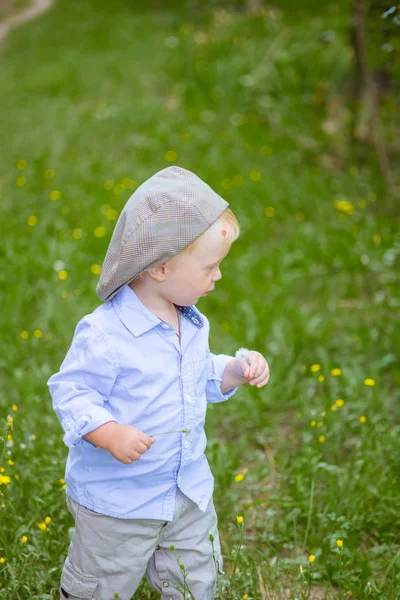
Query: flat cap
[[163, 216]]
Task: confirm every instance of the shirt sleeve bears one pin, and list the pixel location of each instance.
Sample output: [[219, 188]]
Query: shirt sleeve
[[216, 368], [82, 386]]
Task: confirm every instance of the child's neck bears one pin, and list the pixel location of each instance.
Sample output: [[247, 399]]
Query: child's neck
[[161, 307]]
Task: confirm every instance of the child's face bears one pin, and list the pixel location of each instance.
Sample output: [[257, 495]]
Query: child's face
[[190, 275]]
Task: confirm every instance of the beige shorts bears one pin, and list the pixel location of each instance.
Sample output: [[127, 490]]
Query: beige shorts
[[108, 557]]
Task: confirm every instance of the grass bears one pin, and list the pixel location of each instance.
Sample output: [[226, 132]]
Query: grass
[[98, 96]]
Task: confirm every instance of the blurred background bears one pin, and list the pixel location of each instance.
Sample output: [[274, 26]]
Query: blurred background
[[290, 111]]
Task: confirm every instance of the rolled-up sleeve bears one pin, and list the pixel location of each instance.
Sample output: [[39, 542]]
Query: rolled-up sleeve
[[216, 367], [82, 386]]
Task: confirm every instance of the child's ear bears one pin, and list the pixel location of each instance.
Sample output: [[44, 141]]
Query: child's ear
[[158, 273]]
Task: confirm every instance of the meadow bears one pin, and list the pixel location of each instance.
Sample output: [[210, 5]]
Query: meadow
[[96, 97]]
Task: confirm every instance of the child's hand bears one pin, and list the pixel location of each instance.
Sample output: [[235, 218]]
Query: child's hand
[[254, 368], [127, 443]]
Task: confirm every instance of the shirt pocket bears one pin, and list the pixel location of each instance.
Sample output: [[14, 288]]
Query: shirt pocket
[[200, 370]]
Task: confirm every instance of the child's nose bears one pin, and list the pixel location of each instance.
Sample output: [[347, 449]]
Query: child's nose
[[217, 275]]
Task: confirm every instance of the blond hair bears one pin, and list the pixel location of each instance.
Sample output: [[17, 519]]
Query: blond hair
[[229, 219]]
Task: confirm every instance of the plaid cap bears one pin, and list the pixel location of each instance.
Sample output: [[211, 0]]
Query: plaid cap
[[163, 216]]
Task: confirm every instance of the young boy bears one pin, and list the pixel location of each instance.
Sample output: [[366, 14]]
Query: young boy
[[135, 385]]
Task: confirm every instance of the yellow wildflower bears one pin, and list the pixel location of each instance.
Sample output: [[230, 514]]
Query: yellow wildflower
[[77, 233], [95, 269], [24, 334], [336, 372], [269, 211], [10, 462], [61, 480], [363, 419], [321, 439], [10, 420], [5, 479], [239, 477], [323, 414], [339, 543], [170, 156], [301, 568], [99, 231], [239, 519], [344, 206], [339, 402], [334, 407], [37, 333], [313, 423], [55, 195], [33, 437], [20, 181], [63, 275], [319, 424], [369, 382], [311, 558], [245, 596], [255, 176], [49, 174], [315, 368], [24, 539], [32, 220], [21, 164], [47, 520], [321, 378], [42, 526]]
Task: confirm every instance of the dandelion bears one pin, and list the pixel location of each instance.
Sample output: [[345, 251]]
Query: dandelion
[[339, 402], [255, 176], [37, 333], [319, 424], [15, 408], [334, 407], [5, 479], [321, 439], [99, 231], [10, 420], [42, 526], [2, 560], [269, 211], [315, 368], [363, 419], [369, 382], [313, 423], [339, 543], [239, 477], [49, 174], [311, 559], [245, 596], [47, 520], [321, 378], [344, 206], [63, 275], [323, 414], [55, 195], [10, 462], [95, 269], [24, 539], [21, 165], [170, 156], [61, 480], [336, 372], [33, 437], [77, 233], [24, 334], [32, 220], [239, 519], [21, 181]]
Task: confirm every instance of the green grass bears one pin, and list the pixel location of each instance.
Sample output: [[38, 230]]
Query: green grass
[[98, 91]]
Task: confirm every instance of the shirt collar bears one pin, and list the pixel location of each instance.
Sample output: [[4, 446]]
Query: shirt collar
[[139, 319]]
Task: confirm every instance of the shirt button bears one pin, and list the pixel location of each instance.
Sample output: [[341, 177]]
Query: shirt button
[[67, 426], [186, 444], [165, 326], [165, 584], [189, 399]]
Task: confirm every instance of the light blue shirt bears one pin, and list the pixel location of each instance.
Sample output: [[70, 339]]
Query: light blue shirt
[[126, 364]]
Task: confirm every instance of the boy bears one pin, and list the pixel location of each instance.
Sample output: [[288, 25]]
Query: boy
[[135, 385]]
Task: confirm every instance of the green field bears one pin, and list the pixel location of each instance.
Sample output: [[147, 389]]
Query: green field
[[96, 97]]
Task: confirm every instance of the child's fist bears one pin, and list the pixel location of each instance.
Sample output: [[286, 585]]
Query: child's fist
[[127, 443], [254, 368]]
